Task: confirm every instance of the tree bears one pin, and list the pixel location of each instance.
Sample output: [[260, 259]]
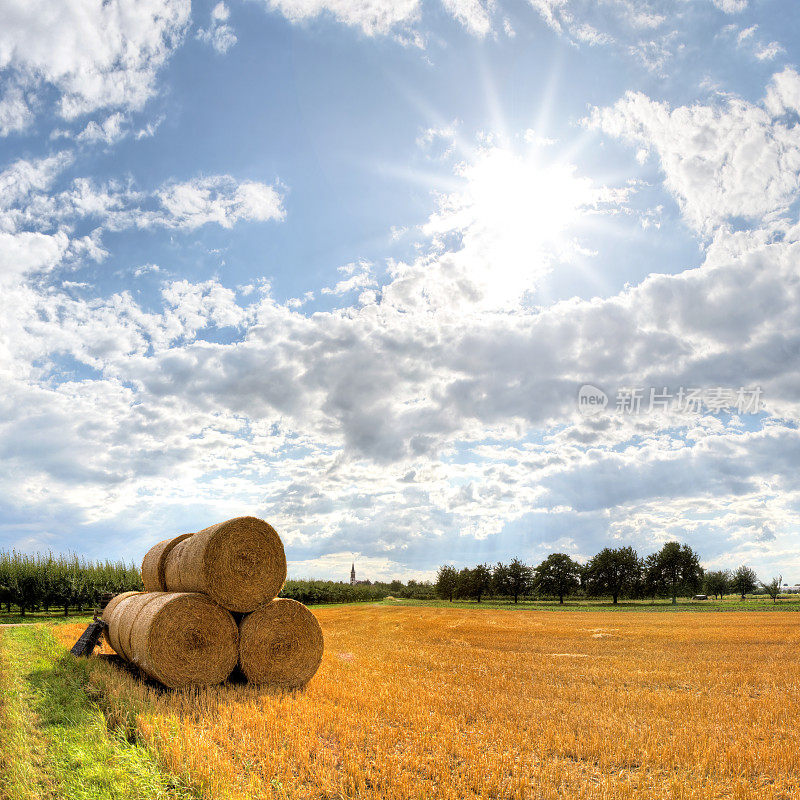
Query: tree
[[474, 582], [677, 569], [514, 579], [481, 581], [651, 577], [773, 588], [613, 571], [446, 582], [744, 581], [557, 575], [717, 582]]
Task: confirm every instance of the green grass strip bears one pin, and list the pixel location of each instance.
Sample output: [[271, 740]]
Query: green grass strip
[[56, 742]]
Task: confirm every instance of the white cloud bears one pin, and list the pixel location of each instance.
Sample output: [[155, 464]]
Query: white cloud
[[737, 159], [382, 17], [731, 6], [472, 14], [97, 54], [219, 34], [109, 131], [218, 199], [372, 16], [27, 252], [769, 51], [15, 113], [359, 277]]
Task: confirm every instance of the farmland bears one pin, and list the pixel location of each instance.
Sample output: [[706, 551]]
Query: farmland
[[414, 702]]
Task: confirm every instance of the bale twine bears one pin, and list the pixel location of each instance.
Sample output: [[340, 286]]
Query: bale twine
[[183, 640], [281, 644], [155, 562], [240, 564], [109, 613]]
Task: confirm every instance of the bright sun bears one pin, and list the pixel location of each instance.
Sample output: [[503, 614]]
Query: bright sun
[[513, 212]]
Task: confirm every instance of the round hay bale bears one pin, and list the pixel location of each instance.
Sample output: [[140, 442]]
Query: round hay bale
[[124, 620], [281, 644], [109, 617], [113, 603], [155, 561], [240, 564], [184, 640]]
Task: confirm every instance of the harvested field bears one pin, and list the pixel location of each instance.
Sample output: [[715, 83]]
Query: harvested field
[[428, 702]]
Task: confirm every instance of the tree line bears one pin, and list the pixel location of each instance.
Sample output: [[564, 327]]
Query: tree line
[[45, 582], [41, 582], [674, 571]]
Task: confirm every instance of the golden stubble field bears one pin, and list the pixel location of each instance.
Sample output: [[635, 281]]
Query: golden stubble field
[[451, 704]]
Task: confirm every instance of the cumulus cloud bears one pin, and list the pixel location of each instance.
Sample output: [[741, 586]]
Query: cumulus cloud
[[730, 160], [96, 54], [437, 413]]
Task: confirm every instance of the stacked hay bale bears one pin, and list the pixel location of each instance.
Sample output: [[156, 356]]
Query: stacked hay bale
[[182, 631]]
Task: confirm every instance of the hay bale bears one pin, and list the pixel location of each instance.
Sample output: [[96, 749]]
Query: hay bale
[[281, 644], [125, 618], [240, 564], [155, 562], [108, 617], [113, 603], [179, 639]]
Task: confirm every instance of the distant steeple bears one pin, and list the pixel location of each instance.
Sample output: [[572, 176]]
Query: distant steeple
[[353, 574]]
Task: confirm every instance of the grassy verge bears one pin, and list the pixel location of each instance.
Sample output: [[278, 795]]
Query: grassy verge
[[32, 617], [55, 742]]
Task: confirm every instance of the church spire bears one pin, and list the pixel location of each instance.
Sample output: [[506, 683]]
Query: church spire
[[353, 574]]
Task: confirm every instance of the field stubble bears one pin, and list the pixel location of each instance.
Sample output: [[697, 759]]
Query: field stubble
[[422, 702]]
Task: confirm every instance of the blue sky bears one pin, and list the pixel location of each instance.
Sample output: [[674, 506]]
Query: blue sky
[[346, 265]]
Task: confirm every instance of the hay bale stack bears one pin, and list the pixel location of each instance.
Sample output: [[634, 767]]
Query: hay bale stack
[[239, 564], [154, 564], [179, 639], [281, 644]]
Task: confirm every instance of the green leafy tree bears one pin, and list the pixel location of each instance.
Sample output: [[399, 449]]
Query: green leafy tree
[[717, 583], [650, 582], [446, 582], [514, 579], [744, 581], [557, 575], [773, 588], [677, 570], [613, 572], [481, 581]]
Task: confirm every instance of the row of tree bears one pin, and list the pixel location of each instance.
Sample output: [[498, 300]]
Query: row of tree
[[614, 572], [33, 582], [44, 582]]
